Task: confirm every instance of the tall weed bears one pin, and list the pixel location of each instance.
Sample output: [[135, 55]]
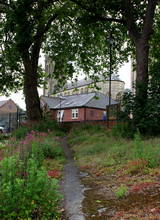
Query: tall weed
[[28, 194], [146, 151]]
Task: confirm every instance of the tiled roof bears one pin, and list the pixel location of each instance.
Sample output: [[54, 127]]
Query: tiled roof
[[50, 101], [75, 100], [93, 100], [100, 101]]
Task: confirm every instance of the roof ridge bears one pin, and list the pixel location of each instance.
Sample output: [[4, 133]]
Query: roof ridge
[[90, 99]]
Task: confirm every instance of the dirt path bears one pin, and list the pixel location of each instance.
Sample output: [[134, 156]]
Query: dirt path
[[71, 187]]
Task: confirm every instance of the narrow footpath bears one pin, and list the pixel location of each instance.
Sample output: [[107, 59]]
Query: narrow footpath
[[72, 188]]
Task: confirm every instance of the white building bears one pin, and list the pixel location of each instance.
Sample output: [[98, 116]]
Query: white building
[[81, 86]]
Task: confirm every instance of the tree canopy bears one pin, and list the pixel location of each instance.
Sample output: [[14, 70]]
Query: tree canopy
[[23, 28], [60, 27], [76, 34], [139, 19]]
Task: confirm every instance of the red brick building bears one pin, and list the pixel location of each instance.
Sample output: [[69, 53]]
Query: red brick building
[[82, 107]]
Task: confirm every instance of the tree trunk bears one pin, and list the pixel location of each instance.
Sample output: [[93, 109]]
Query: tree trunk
[[32, 100], [142, 55]]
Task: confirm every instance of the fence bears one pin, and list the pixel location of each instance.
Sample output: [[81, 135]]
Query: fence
[[10, 121]]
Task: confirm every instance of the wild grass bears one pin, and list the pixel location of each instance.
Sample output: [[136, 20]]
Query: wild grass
[[95, 145]]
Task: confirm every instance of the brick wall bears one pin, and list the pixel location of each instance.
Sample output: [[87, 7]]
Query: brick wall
[[84, 114], [68, 115], [94, 114], [54, 114]]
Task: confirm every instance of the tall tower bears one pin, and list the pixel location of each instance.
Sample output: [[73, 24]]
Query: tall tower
[[50, 81]]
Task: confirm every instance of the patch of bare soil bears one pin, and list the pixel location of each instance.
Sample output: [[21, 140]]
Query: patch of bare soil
[[140, 201]]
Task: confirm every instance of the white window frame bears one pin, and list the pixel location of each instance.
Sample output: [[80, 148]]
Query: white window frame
[[75, 113], [60, 114]]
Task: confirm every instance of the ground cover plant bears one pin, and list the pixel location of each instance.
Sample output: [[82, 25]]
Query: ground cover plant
[[30, 170], [123, 174]]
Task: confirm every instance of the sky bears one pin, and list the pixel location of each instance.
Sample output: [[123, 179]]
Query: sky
[[124, 74]]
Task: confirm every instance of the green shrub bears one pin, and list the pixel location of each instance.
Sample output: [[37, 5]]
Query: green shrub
[[21, 132], [121, 191], [27, 194], [42, 126], [51, 149], [45, 125], [123, 130], [37, 153]]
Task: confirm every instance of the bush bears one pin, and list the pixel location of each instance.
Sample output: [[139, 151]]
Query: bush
[[51, 149], [46, 125], [27, 193], [37, 153], [21, 132], [123, 130], [42, 126]]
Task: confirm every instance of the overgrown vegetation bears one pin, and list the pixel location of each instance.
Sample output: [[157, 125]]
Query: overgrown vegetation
[[123, 173], [45, 125], [30, 169], [26, 191], [102, 147], [149, 123]]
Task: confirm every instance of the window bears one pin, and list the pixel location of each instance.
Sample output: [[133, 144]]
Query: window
[[60, 114], [86, 90], [74, 113]]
